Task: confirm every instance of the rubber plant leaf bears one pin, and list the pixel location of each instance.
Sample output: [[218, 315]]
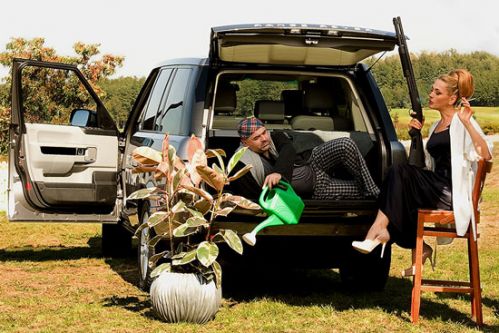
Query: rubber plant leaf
[[207, 253], [217, 269], [235, 158], [146, 155], [187, 258], [233, 240], [211, 177], [165, 267]]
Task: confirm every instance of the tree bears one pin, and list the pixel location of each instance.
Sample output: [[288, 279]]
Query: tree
[[428, 66], [47, 102], [120, 95]]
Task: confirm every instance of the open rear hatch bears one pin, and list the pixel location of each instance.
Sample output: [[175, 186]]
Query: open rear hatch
[[297, 44]]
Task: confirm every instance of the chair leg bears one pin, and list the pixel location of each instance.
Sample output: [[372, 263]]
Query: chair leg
[[416, 287], [476, 295]]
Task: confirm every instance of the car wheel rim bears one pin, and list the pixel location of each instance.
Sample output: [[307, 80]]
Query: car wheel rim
[[144, 250]]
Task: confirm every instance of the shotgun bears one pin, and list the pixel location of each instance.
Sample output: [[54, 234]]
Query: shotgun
[[416, 151]]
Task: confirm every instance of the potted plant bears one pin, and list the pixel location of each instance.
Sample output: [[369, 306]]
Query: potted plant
[[187, 279]]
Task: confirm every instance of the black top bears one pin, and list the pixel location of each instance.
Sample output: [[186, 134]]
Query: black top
[[293, 168], [287, 156], [438, 146]]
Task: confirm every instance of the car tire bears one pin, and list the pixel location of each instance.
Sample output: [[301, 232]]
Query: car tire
[[116, 241], [144, 252], [366, 272]]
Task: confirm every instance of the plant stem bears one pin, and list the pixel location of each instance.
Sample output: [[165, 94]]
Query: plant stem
[[170, 218], [214, 208]]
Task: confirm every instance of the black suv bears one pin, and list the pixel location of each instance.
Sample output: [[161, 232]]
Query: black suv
[[305, 79]]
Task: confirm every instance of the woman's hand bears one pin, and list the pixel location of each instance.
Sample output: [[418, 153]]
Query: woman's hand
[[414, 123], [465, 111], [272, 179]]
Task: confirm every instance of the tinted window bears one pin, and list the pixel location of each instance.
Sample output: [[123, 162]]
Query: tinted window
[[170, 116], [155, 99]]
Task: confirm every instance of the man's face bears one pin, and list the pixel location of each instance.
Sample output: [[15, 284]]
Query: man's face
[[259, 141]]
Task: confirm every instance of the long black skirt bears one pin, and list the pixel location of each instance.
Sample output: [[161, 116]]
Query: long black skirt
[[405, 190]]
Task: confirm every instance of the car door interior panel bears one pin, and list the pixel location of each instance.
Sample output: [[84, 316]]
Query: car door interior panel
[[68, 166]]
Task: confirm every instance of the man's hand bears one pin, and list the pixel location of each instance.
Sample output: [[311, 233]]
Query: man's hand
[[272, 179]]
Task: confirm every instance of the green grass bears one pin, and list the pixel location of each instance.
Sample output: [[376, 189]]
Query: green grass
[[487, 117], [53, 279]]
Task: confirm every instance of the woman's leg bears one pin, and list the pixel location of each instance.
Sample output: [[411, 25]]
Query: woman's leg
[[377, 234], [379, 229]]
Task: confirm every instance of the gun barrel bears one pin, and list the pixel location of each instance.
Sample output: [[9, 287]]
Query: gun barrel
[[407, 69]]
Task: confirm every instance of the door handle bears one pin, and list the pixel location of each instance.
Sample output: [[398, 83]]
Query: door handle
[[86, 155], [90, 155]]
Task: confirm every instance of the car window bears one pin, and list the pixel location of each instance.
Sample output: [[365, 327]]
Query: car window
[[151, 108], [50, 95], [289, 101], [170, 116]]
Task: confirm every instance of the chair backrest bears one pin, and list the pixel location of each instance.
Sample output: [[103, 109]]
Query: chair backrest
[[483, 168]]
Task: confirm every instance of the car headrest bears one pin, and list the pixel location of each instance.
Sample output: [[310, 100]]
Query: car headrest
[[310, 123], [226, 99], [293, 100], [269, 111], [318, 98]]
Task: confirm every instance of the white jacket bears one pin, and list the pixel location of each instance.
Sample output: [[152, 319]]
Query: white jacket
[[464, 164]]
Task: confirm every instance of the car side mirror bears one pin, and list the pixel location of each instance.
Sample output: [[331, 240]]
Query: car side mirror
[[83, 118]]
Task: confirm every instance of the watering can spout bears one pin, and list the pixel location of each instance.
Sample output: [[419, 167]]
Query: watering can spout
[[282, 205]]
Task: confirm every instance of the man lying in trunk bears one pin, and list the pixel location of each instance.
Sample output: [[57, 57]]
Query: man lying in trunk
[[274, 157]]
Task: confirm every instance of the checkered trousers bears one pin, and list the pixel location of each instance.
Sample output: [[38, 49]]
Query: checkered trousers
[[341, 152]]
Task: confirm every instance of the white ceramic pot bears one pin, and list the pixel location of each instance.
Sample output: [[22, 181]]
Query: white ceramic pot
[[180, 297]]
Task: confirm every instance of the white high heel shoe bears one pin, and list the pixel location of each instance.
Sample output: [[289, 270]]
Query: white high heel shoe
[[368, 245]]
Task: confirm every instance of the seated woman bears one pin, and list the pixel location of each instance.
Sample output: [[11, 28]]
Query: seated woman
[[455, 140]]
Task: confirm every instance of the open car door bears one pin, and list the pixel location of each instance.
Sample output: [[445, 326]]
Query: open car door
[[63, 153]]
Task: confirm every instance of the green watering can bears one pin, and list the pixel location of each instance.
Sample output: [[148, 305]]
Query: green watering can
[[282, 205]]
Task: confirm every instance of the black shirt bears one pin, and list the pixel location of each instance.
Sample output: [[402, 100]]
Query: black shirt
[[293, 168], [438, 146]]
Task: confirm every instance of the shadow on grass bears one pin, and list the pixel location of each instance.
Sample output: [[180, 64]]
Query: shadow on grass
[[324, 288], [126, 268], [133, 304], [40, 254], [296, 287], [305, 287]]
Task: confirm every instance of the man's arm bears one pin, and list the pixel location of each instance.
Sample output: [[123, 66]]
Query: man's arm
[[245, 186]]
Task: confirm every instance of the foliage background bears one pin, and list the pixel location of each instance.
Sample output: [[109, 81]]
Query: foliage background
[[118, 94], [429, 65]]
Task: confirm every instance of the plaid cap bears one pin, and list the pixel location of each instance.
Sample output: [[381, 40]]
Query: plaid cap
[[248, 126]]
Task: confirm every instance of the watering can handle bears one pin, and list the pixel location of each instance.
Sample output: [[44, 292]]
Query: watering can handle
[[265, 190], [282, 185]]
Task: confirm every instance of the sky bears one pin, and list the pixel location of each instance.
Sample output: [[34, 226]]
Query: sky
[[147, 32]]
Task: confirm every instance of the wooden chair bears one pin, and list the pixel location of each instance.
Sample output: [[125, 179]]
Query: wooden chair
[[439, 217]]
